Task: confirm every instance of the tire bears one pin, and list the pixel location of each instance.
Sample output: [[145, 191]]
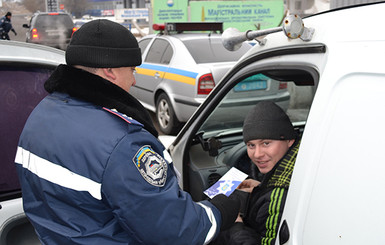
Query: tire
[[165, 115]]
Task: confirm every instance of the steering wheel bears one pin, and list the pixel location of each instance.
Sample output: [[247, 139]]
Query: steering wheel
[[237, 157]]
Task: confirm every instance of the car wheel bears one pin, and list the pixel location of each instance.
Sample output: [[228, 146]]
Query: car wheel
[[165, 115]]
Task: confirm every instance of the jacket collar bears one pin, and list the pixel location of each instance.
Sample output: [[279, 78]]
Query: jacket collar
[[281, 175], [99, 91]]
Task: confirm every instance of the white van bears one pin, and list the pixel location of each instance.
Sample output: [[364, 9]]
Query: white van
[[24, 69], [336, 76]]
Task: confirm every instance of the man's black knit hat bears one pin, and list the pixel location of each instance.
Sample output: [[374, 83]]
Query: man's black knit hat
[[267, 121], [8, 14], [103, 44]]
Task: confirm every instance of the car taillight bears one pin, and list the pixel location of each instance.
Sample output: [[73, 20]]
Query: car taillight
[[35, 35], [282, 85], [206, 84], [73, 30]]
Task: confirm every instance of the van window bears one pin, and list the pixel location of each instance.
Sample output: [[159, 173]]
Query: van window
[[294, 98], [218, 143], [21, 89]]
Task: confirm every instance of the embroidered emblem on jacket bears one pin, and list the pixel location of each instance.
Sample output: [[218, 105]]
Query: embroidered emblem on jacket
[[151, 166]]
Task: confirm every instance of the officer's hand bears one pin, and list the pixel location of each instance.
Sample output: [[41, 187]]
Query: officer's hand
[[15, 33], [229, 208]]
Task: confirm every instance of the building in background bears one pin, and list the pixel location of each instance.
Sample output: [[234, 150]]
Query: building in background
[[106, 7]]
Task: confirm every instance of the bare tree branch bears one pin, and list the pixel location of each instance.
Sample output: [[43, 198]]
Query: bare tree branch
[[34, 5]]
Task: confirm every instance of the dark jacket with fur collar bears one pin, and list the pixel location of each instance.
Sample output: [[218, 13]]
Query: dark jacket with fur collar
[[87, 171]]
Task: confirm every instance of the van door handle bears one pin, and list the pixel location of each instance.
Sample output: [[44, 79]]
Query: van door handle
[[157, 75], [284, 233]]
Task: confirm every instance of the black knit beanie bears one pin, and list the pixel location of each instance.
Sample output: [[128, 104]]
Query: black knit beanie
[[103, 44], [267, 121]]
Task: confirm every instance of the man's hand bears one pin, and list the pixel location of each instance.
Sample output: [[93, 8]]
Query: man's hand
[[248, 185], [14, 32]]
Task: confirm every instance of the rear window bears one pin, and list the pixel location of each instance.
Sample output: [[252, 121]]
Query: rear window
[[211, 49], [21, 89], [54, 20]]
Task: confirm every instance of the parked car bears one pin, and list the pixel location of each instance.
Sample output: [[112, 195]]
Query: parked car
[[336, 79], [51, 29], [180, 69], [79, 23], [23, 71]]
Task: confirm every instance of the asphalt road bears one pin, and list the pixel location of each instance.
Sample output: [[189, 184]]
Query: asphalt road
[[17, 23]]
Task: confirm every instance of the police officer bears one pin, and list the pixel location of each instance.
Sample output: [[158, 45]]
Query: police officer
[[91, 167], [6, 26]]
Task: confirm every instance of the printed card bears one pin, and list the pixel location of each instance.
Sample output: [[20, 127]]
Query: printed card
[[227, 184]]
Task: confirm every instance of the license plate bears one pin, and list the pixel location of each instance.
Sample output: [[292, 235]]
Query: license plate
[[52, 33], [250, 85]]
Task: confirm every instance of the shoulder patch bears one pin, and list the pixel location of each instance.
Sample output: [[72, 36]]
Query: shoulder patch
[[122, 116], [151, 166]]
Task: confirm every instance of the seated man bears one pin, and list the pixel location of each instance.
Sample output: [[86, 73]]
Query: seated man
[[272, 145]]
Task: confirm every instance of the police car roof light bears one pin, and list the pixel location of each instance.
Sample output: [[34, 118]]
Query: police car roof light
[[194, 26], [158, 27], [180, 27]]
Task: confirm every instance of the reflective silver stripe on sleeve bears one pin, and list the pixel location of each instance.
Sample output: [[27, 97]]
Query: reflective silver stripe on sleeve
[[168, 158], [57, 174], [213, 229]]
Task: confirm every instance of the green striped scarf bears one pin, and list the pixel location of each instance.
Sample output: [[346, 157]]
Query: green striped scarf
[[280, 181]]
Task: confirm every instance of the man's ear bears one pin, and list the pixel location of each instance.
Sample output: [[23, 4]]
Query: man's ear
[[291, 142], [109, 73]]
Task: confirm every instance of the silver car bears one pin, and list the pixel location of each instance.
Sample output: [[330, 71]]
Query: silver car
[[179, 70], [24, 69]]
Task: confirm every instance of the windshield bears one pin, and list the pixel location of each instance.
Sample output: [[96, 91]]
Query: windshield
[[247, 93]]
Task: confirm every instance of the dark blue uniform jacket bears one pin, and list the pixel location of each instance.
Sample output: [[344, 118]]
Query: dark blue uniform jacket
[[92, 175]]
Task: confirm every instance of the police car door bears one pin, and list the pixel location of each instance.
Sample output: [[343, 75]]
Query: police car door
[[150, 74]]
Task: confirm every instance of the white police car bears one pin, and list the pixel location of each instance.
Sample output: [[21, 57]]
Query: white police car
[[333, 63], [24, 69], [180, 68]]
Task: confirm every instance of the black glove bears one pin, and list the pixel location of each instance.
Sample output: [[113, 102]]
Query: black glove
[[14, 32], [243, 197], [229, 208]]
